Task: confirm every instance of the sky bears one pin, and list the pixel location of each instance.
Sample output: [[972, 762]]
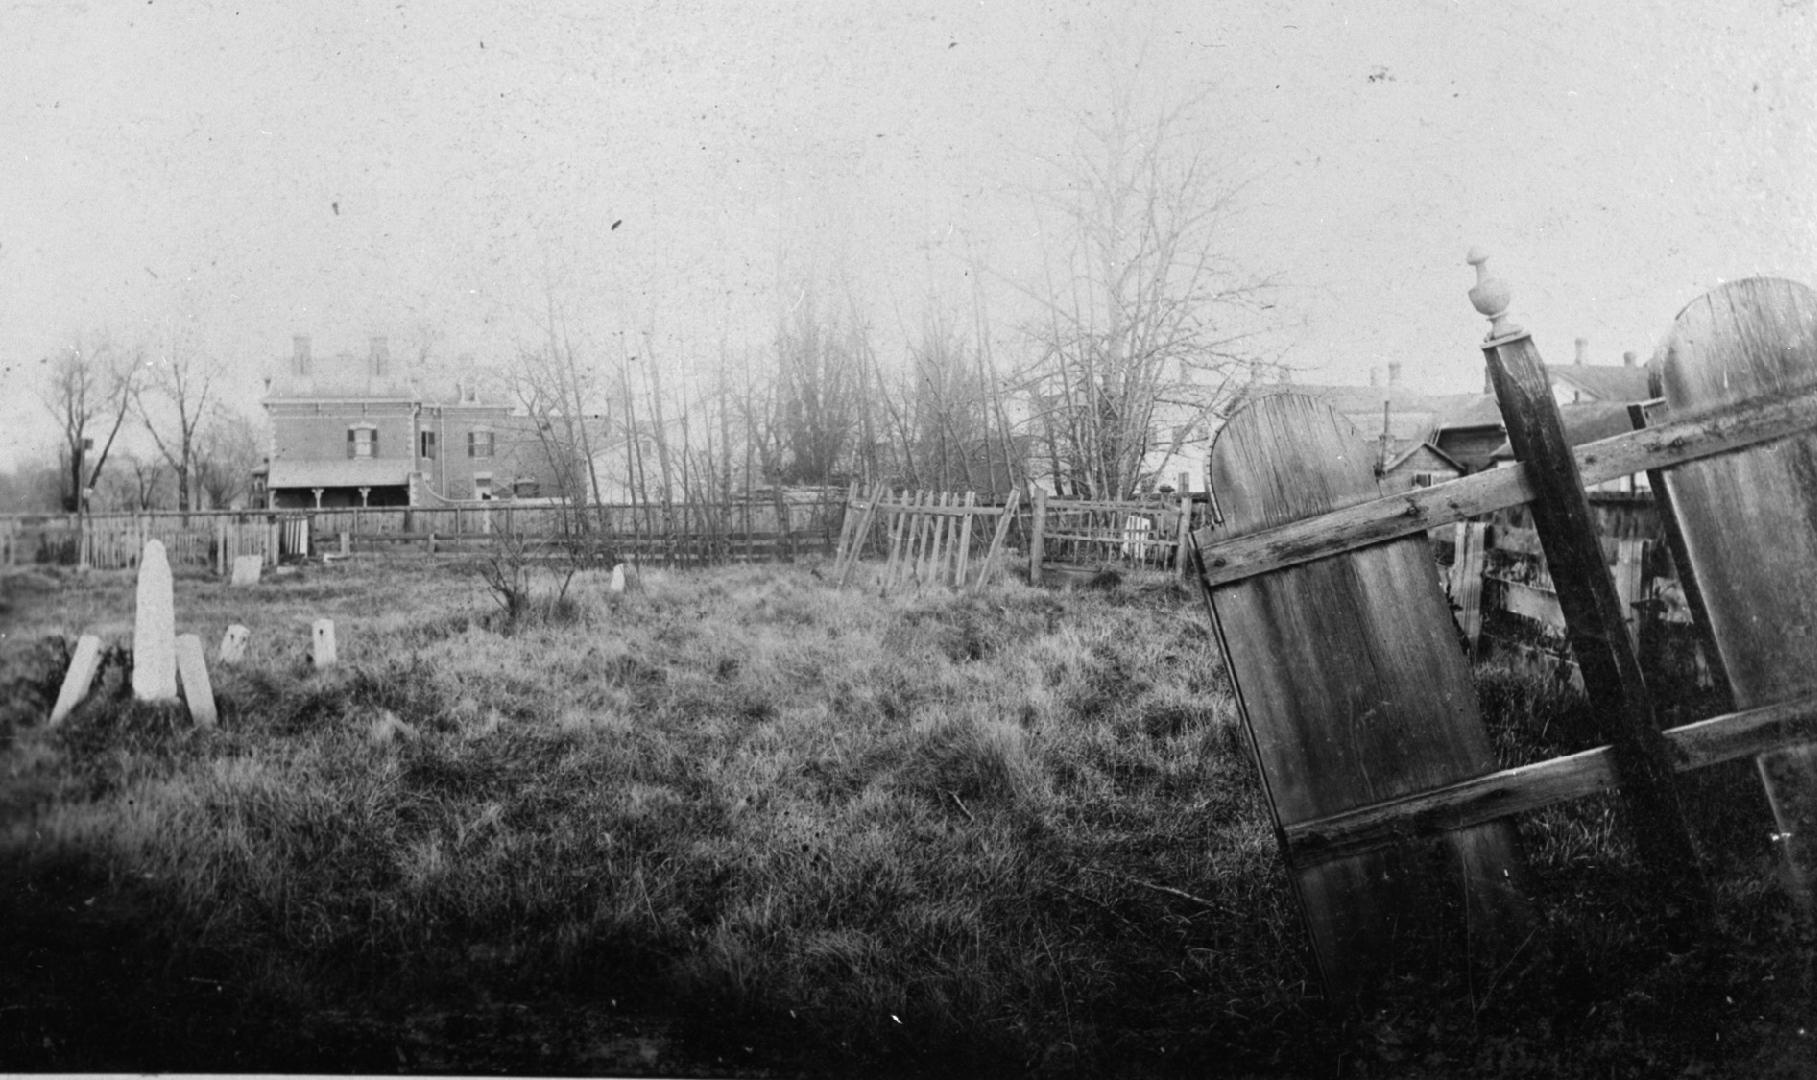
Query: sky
[[437, 173]]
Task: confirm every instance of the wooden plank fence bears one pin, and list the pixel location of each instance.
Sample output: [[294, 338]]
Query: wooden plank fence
[[767, 525], [762, 526], [1150, 531], [1367, 753], [931, 538]]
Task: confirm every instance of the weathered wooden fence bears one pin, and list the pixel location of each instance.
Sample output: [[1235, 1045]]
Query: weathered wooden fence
[[931, 537], [1500, 585], [1149, 531], [115, 541], [744, 528], [1352, 685], [765, 525]]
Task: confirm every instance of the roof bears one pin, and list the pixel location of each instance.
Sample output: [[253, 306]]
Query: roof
[[339, 473], [1603, 382], [1412, 418], [1472, 410], [1586, 422], [1401, 459]]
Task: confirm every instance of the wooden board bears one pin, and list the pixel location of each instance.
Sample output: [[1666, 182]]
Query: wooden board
[[1354, 691], [1748, 521]]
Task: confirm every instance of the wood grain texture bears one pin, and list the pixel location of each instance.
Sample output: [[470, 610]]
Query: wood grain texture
[[1621, 706], [1352, 687], [1749, 520]]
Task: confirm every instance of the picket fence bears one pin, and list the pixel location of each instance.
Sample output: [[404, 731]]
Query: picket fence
[[932, 538], [209, 539], [1357, 699]]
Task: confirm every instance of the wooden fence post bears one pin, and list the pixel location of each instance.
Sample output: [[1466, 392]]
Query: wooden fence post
[[1003, 522], [965, 541], [1037, 532], [847, 522], [1183, 536], [1586, 593], [1467, 580]]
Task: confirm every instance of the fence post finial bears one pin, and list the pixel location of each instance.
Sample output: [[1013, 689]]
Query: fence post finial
[[1491, 297]]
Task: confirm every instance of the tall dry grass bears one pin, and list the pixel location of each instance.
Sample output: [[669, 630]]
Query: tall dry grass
[[730, 820]]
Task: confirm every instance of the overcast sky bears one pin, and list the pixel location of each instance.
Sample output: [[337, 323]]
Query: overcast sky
[[433, 171]]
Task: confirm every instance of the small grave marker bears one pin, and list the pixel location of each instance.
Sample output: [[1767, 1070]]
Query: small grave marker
[[154, 644], [618, 578], [197, 690], [79, 677], [246, 569], [322, 644], [233, 644]]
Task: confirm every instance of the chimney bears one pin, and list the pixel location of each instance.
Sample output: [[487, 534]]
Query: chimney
[[1583, 349], [1627, 358], [1394, 374], [381, 357], [299, 354]]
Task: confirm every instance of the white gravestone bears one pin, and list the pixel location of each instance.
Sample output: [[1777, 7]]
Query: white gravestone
[[246, 570], [154, 635], [322, 644], [233, 644], [618, 577], [197, 690], [79, 677]]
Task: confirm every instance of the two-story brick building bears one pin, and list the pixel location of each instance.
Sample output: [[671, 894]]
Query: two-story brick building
[[353, 431]]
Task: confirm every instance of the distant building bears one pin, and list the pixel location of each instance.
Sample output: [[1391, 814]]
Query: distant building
[[352, 431], [1583, 383], [1431, 436]]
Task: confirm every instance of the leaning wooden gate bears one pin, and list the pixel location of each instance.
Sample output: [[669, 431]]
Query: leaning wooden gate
[[1351, 681]]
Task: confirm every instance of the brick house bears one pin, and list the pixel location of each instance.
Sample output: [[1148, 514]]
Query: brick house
[[352, 431]]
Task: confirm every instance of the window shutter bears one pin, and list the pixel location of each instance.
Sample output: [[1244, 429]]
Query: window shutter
[[352, 435], [375, 442], [472, 438]]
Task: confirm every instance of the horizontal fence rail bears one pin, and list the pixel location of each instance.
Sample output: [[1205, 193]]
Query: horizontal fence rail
[[1533, 787], [1422, 509]]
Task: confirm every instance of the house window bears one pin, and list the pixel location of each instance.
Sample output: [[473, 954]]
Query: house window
[[482, 485], [479, 444], [362, 441], [426, 445]]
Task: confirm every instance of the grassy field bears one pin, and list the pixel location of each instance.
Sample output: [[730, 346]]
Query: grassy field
[[736, 822]]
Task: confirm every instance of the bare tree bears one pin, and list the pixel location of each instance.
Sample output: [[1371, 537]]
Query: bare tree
[[90, 390], [173, 401], [564, 396], [226, 450], [139, 483], [1141, 310], [818, 360], [951, 426]]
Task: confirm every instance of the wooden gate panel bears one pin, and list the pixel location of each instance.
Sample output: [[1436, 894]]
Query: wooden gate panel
[[1354, 689], [1749, 519]]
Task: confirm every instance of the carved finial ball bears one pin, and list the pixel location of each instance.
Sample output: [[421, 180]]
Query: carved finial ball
[[1491, 296]]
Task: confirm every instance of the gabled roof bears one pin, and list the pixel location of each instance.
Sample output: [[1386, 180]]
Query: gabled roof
[[1472, 411], [1401, 458], [1603, 382]]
